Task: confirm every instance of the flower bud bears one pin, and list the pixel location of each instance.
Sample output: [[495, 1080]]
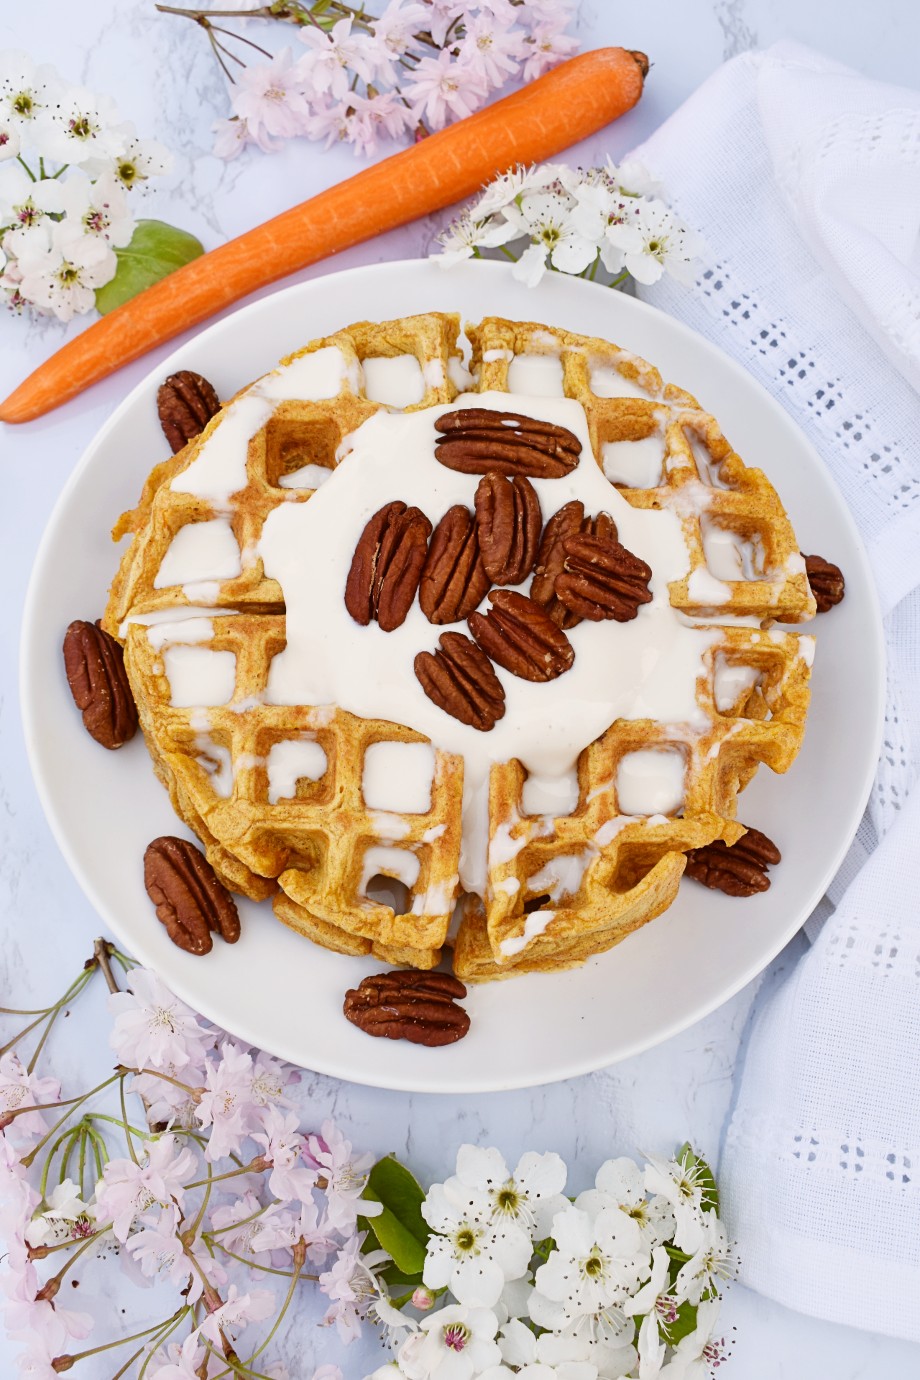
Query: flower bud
[[422, 1299]]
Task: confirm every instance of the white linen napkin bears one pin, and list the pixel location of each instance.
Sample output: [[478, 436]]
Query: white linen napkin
[[804, 180]]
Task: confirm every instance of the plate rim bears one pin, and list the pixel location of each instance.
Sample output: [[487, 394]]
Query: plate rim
[[326, 1062]]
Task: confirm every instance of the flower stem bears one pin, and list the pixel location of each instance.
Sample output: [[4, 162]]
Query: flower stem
[[255, 1166], [73, 1103], [121, 1341]]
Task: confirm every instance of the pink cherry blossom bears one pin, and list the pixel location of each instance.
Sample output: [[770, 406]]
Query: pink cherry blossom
[[182, 1363], [227, 1106], [281, 1229], [272, 99], [153, 1029], [346, 1177], [444, 86], [158, 1251], [352, 1285], [330, 56], [238, 1238], [396, 28], [492, 48], [237, 1311], [230, 138], [547, 46], [127, 1190], [270, 1077], [282, 1145], [19, 1088], [441, 16]]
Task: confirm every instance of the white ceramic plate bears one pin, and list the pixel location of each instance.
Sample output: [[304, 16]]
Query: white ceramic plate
[[279, 991]]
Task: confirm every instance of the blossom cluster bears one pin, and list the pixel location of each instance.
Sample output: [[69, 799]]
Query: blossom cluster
[[220, 1194], [576, 221], [406, 72], [287, 1203], [620, 1281], [67, 165]]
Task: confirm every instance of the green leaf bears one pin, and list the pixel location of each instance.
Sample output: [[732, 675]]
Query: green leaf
[[400, 1229], [155, 250], [407, 1251], [392, 1184], [703, 1175]]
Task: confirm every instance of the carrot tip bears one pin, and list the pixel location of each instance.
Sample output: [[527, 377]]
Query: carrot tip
[[642, 61]]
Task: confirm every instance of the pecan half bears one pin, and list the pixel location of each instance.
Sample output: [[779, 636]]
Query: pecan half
[[602, 579], [453, 580], [459, 679], [95, 667], [826, 580], [189, 899], [186, 402], [508, 520], [409, 1005], [519, 635], [569, 521], [739, 870], [478, 440], [386, 566]]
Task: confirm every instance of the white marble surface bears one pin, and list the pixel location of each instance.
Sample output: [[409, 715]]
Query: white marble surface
[[161, 73]]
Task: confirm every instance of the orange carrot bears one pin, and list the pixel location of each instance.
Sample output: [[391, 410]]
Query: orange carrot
[[574, 100]]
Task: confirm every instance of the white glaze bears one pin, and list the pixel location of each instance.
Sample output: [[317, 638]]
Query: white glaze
[[199, 676], [200, 551], [730, 681], [637, 464], [703, 588], [307, 477], [536, 923], [398, 381], [651, 781], [219, 469], [290, 761], [562, 875], [607, 382], [398, 776], [550, 795], [379, 860], [540, 375], [728, 555]]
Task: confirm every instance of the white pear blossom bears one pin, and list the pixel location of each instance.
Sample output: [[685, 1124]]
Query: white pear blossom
[[455, 1343], [546, 219], [666, 245], [529, 1197], [468, 1251], [598, 1260], [66, 1218], [712, 1263], [696, 1355], [77, 127], [681, 1185], [134, 161], [26, 90], [620, 1183], [98, 208]]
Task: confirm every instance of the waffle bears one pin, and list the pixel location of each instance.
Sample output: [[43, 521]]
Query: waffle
[[558, 889]]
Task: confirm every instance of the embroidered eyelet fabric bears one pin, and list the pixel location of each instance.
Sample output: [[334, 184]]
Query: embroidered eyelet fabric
[[804, 180]]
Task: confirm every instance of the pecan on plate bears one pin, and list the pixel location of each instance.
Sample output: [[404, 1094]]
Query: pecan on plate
[[95, 668], [459, 679], [826, 580], [739, 870], [386, 566], [508, 520], [569, 521], [601, 579], [409, 1005], [189, 899], [476, 440], [186, 402], [519, 635], [453, 580]]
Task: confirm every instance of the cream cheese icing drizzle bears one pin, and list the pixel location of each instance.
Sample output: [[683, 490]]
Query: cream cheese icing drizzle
[[644, 669]]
